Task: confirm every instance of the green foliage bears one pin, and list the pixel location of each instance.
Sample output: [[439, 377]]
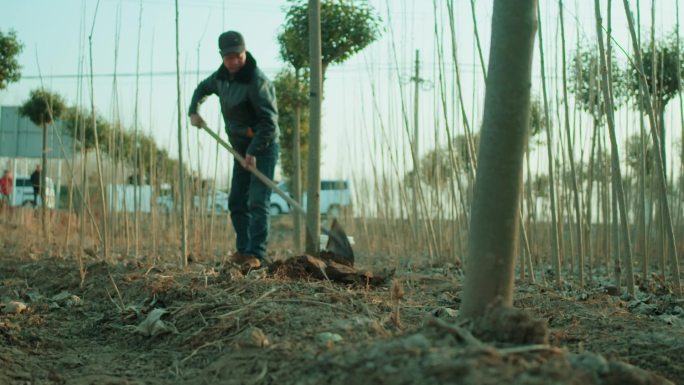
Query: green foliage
[[540, 186], [537, 121], [291, 93], [635, 153], [462, 150], [347, 27], [666, 83], [77, 122], [436, 167], [119, 143], [585, 82], [10, 48], [42, 107]]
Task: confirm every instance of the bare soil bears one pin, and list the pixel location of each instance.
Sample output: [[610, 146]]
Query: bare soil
[[140, 321]]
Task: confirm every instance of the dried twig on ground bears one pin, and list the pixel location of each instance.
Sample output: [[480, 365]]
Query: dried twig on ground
[[458, 331], [249, 305]]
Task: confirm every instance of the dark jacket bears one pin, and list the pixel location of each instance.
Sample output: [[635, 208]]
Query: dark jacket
[[36, 179], [248, 105]]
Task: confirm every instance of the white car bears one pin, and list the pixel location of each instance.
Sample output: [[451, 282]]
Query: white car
[[22, 194], [220, 204], [165, 203], [335, 196]]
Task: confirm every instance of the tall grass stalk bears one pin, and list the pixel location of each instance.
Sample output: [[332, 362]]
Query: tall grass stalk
[[555, 256], [669, 231]]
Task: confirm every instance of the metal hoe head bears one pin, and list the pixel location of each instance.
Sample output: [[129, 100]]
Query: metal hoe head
[[338, 243]]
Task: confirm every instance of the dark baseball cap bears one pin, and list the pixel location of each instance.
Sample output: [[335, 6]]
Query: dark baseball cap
[[231, 42]]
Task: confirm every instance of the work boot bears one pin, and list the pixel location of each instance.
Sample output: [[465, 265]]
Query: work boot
[[238, 258], [252, 263], [245, 261]]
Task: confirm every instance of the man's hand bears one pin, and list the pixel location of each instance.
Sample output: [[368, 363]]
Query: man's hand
[[197, 121], [250, 162]]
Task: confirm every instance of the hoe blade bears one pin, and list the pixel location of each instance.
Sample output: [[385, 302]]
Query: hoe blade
[[339, 245]]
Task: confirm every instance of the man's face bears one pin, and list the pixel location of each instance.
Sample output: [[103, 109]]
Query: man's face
[[234, 61]]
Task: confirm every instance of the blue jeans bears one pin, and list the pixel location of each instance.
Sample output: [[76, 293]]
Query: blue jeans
[[249, 202]]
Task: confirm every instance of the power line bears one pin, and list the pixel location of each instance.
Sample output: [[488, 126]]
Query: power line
[[361, 68]]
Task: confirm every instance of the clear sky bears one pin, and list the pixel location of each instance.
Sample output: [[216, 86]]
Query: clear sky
[[366, 99]]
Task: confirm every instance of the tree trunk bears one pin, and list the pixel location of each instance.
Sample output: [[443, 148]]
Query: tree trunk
[[590, 201], [98, 155], [181, 175], [555, 242], [615, 160], [297, 172], [313, 218], [297, 180], [643, 239], [494, 222], [571, 156], [662, 183], [42, 190], [615, 236]]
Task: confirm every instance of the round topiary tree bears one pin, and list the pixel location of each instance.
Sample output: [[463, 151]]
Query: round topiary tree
[[347, 27], [43, 107], [10, 48], [662, 61]]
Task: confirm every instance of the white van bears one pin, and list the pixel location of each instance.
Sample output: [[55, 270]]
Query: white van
[[336, 196], [22, 194]]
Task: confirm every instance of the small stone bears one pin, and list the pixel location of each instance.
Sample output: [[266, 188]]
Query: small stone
[[254, 337], [612, 290], [445, 312], [14, 307], [74, 300], [590, 362], [257, 274], [327, 338]]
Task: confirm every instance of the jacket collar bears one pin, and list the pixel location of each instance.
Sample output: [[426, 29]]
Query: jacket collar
[[244, 75]]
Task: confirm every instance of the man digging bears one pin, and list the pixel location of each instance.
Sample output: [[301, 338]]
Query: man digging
[[248, 105]]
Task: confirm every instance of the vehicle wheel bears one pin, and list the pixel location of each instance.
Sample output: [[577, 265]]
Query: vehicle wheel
[[275, 210]]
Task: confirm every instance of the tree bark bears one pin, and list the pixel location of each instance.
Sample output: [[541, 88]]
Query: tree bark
[[615, 160], [571, 156], [495, 223], [313, 218], [42, 190], [555, 240], [181, 174], [297, 172]]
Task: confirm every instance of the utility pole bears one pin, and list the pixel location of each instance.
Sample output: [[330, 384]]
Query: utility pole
[[417, 80]]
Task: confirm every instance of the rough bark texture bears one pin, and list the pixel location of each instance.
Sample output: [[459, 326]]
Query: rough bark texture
[[494, 223], [313, 221]]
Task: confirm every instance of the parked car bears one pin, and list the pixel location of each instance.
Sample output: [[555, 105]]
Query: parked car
[[165, 203], [220, 204], [335, 196], [22, 195]]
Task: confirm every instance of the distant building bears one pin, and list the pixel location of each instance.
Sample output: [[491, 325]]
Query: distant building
[[21, 145], [20, 138]]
